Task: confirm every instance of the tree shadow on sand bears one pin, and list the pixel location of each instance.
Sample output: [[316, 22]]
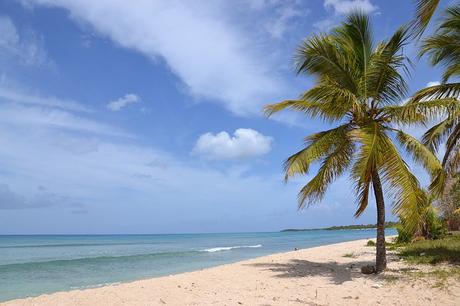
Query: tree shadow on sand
[[337, 273]]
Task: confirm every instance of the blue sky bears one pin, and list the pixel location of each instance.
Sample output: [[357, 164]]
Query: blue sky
[[145, 116]]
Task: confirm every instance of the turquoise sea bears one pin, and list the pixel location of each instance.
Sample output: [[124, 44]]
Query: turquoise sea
[[33, 265]]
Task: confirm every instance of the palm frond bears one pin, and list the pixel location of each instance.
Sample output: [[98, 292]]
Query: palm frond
[[368, 160], [424, 12], [318, 145], [355, 34], [443, 47], [452, 143], [326, 111], [332, 166], [418, 112], [453, 161], [422, 155], [385, 82], [437, 92], [400, 183], [434, 136]]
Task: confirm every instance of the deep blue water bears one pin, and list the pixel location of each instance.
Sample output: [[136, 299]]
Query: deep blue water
[[33, 265]]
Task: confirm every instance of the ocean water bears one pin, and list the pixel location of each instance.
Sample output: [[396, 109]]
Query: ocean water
[[33, 265]]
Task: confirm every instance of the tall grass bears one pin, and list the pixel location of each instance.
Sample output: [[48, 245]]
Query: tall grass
[[433, 251]]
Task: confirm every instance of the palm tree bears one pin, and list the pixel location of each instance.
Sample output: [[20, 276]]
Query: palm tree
[[358, 87], [443, 48]]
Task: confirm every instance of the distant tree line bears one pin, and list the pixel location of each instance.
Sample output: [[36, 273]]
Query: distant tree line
[[389, 224]]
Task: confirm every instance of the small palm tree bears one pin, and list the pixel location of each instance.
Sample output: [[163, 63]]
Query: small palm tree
[[423, 220], [443, 48], [359, 85]]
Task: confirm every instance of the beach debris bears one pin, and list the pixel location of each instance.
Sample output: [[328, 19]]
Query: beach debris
[[422, 254], [377, 286], [162, 302], [369, 269]]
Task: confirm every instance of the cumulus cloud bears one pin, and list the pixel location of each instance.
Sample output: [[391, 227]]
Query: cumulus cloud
[[28, 47], [342, 7], [115, 177], [122, 102], [219, 62], [244, 143], [433, 83]]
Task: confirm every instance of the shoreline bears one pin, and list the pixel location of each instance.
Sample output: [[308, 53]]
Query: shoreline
[[115, 283], [321, 275], [162, 266]]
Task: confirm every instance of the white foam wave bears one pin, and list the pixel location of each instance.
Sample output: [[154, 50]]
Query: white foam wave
[[218, 249]]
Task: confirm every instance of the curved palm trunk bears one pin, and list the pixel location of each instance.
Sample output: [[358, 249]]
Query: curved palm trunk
[[381, 260]]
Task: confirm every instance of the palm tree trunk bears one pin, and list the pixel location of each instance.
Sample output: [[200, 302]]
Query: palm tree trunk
[[381, 260]]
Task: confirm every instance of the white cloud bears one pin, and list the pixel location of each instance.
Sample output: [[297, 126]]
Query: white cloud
[[36, 117], [325, 24], [343, 7], [212, 56], [285, 15], [8, 95], [19, 109], [433, 83], [244, 143], [122, 102], [27, 47]]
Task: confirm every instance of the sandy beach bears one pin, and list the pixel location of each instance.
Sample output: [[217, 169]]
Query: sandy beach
[[326, 275]]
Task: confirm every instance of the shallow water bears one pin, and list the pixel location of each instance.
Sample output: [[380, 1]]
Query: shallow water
[[33, 265]]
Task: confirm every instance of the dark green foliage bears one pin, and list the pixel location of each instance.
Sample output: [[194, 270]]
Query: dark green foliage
[[389, 224], [362, 226], [370, 243]]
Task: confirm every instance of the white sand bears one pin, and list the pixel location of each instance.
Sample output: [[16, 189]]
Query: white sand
[[315, 276]]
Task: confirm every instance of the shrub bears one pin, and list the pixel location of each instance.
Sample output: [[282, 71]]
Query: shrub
[[435, 227], [370, 243], [404, 236]]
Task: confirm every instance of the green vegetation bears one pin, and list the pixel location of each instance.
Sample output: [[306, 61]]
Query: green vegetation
[[442, 49], [370, 243], [424, 222], [433, 251], [361, 226], [359, 86], [441, 276], [389, 224], [424, 12], [350, 255]]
